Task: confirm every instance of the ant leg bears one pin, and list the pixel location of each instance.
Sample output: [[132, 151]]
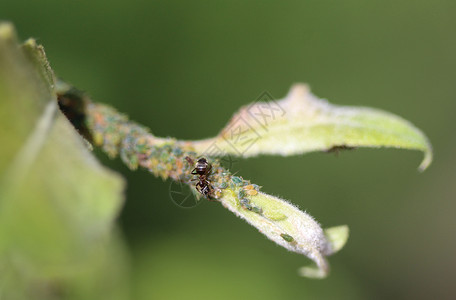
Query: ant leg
[[210, 198], [190, 161], [210, 192], [199, 187]]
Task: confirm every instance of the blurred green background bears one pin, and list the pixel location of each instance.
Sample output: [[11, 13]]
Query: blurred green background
[[167, 63]]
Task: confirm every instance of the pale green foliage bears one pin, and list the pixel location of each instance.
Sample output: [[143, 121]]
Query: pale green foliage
[[57, 203], [291, 228], [302, 123]]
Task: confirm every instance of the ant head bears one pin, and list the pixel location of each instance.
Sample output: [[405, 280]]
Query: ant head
[[202, 160]]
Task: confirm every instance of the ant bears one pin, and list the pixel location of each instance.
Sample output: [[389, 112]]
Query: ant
[[203, 169]]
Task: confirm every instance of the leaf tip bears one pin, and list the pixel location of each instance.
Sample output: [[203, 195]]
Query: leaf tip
[[313, 272], [7, 31], [337, 237], [428, 157]]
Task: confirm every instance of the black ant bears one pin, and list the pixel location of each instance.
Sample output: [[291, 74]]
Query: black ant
[[203, 169]]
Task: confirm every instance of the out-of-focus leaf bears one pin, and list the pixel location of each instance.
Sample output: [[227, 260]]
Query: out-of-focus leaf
[[302, 123], [57, 203]]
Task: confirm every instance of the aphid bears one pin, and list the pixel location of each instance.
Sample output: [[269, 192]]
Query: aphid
[[177, 151], [203, 169], [252, 192], [236, 180], [223, 185], [337, 149], [287, 237], [257, 210], [245, 204]]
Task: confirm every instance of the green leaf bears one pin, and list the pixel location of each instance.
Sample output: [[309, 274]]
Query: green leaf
[[57, 203], [302, 123], [337, 237], [289, 227]]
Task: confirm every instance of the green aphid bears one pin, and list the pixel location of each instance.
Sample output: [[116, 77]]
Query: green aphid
[[177, 151], [141, 148], [171, 159], [154, 152], [257, 210], [133, 163], [245, 204], [164, 156], [129, 159], [113, 138], [236, 180], [287, 237], [241, 194], [223, 185], [256, 187]]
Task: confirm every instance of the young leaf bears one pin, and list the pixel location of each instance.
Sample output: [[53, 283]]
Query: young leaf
[[289, 227], [302, 123]]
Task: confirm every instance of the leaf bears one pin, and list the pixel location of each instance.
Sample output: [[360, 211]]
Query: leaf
[[302, 123], [289, 227], [57, 203]]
